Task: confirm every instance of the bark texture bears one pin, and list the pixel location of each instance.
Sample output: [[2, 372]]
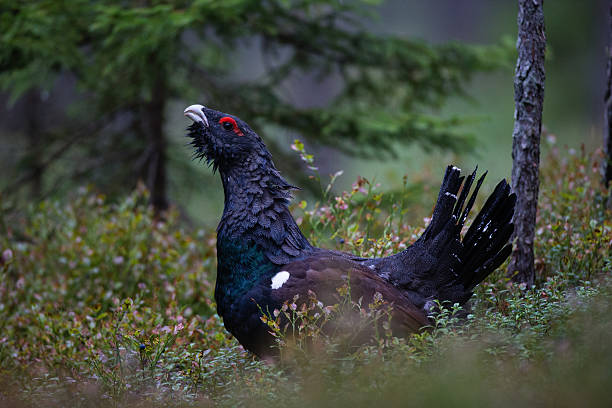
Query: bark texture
[[607, 141], [528, 97]]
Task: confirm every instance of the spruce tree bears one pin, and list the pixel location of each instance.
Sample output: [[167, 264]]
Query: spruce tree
[[131, 59]]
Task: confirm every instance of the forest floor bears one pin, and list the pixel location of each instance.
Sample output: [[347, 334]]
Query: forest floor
[[103, 304]]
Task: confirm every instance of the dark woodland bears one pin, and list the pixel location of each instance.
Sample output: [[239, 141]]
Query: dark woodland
[[284, 202]]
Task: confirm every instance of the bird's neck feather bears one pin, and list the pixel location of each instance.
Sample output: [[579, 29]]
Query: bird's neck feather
[[256, 221], [253, 192]]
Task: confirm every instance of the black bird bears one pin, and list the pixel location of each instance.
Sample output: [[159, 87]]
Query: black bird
[[263, 259]]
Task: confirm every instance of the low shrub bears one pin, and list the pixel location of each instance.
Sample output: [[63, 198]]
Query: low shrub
[[102, 303]]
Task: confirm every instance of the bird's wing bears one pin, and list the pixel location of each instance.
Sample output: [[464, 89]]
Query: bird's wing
[[323, 273]]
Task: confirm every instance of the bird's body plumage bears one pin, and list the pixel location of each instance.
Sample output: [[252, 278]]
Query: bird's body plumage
[[264, 259]]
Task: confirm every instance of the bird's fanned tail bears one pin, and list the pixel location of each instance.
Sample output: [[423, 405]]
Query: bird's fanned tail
[[440, 264]]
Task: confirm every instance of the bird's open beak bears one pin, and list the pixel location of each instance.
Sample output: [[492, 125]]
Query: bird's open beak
[[196, 113]]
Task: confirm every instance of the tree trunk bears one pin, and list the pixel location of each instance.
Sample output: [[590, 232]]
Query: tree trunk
[[607, 140], [156, 161], [33, 134], [528, 98]]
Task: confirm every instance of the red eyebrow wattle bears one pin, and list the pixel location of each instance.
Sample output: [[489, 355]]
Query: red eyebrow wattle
[[236, 129]]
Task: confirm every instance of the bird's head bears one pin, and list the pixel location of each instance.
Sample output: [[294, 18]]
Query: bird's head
[[224, 141]]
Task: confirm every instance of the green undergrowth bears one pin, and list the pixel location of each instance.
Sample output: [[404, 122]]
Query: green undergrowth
[[103, 304]]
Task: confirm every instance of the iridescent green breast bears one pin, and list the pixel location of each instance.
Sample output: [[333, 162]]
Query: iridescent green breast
[[240, 266]]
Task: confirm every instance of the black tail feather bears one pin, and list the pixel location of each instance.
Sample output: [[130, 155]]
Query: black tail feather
[[445, 203], [464, 193], [470, 204]]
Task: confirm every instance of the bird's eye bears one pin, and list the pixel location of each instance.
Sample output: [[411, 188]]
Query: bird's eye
[[230, 124]]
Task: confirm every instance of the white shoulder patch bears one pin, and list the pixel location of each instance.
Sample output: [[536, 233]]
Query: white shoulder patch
[[279, 279]]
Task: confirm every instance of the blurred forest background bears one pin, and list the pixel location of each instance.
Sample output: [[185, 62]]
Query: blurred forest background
[[105, 303], [73, 118]]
